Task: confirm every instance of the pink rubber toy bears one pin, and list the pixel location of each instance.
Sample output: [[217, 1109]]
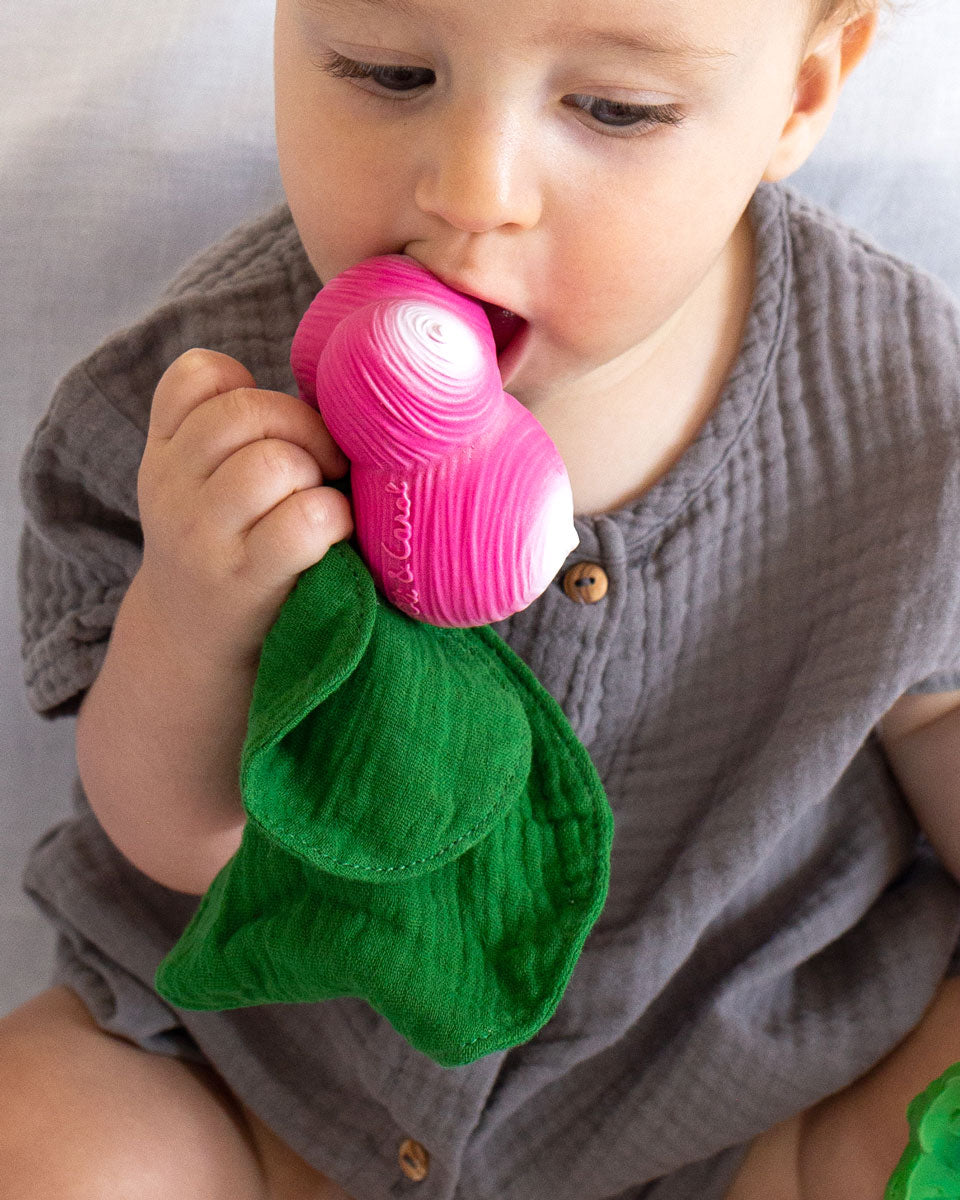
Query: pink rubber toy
[[462, 505]]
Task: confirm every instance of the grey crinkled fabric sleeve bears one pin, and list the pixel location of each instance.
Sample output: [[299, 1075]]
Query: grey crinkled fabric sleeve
[[81, 542], [928, 391]]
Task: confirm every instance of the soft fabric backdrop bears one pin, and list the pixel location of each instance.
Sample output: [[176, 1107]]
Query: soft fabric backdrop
[[133, 135]]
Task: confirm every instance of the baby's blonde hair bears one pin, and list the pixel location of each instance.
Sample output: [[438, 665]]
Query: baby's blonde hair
[[835, 13], [848, 10]]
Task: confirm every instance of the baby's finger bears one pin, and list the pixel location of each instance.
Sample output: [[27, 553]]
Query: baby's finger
[[196, 376], [226, 423], [298, 533], [255, 479]]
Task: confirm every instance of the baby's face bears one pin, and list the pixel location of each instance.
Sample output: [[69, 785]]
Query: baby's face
[[586, 184]]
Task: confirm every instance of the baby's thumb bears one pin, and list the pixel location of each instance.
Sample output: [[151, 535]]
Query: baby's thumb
[[195, 376]]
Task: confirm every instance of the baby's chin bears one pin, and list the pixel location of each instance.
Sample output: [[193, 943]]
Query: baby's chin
[[553, 377], [546, 366]]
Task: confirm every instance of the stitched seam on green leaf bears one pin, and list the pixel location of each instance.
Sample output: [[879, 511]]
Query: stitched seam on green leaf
[[587, 773], [496, 810], [279, 830]]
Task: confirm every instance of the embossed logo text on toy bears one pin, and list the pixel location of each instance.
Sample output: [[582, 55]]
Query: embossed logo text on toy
[[403, 534]]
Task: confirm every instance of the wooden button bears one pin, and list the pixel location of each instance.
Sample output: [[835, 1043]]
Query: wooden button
[[586, 583], [414, 1160]]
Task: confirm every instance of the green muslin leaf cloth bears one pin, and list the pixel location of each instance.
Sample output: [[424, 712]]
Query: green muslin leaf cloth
[[424, 830]]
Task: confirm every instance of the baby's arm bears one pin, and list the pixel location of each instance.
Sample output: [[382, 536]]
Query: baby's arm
[[921, 738], [232, 510]]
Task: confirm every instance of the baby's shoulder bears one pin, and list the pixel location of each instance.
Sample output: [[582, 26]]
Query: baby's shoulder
[[841, 270], [869, 322], [826, 246], [242, 295], [263, 252]]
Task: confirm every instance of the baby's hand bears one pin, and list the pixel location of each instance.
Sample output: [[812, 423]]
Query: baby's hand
[[231, 503]]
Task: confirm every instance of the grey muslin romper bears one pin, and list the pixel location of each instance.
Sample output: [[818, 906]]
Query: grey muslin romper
[[774, 924]]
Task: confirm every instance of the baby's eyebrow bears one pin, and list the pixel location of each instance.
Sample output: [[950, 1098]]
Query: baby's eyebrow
[[572, 36]]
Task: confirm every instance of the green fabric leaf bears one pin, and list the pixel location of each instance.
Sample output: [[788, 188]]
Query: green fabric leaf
[[424, 830]]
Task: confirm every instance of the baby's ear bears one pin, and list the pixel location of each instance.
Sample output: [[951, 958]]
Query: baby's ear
[[832, 53]]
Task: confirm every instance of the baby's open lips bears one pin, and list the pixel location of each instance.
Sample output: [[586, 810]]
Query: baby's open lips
[[505, 325]]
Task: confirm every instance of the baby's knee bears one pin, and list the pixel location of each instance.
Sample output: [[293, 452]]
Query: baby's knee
[[770, 1168], [837, 1159], [87, 1116], [52, 1142]]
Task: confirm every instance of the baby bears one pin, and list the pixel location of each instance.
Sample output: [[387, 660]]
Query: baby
[[758, 410]]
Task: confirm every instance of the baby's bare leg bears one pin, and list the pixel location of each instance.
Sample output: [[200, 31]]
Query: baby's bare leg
[[86, 1115], [288, 1176], [847, 1146]]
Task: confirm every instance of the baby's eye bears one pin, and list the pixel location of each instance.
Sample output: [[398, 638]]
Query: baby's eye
[[346, 68], [629, 116], [633, 118]]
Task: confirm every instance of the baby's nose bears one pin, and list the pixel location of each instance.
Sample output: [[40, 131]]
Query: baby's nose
[[481, 173]]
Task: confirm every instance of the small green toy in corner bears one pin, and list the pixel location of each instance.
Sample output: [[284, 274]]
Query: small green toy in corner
[[930, 1166], [424, 829]]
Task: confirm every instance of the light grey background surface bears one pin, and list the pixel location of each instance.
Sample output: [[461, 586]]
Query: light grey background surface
[[129, 140]]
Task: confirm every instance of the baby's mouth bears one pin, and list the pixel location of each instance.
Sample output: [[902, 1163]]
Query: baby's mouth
[[504, 324]]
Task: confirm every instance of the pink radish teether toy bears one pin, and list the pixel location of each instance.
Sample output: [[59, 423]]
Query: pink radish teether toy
[[462, 505]]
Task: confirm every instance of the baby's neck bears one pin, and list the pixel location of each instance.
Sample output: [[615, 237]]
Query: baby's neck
[[616, 447]]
